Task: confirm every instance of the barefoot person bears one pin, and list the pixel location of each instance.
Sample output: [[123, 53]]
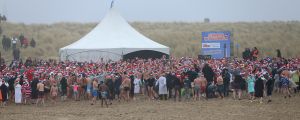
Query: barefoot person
[[53, 93], [250, 81], [4, 92], [63, 84], [269, 87], [220, 85], [259, 89], [126, 88], [95, 91], [18, 93], [203, 83], [236, 86], [150, 84], [27, 91], [75, 91], [41, 89], [162, 90], [197, 87], [104, 93]]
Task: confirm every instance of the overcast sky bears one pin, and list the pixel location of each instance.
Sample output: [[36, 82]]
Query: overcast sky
[[51, 11]]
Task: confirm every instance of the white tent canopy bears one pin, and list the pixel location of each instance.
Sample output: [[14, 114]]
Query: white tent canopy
[[110, 39]]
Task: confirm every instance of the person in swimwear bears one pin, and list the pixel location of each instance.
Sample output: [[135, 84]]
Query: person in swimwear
[[197, 87], [103, 91], [126, 88], [203, 84]]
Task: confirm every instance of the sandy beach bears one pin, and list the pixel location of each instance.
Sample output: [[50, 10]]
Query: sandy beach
[[213, 109]]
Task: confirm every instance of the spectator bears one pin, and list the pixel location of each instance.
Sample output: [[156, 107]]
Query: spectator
[[6, 43], [14, 42], [247, 54], [16, 54], [3, 18], [22, 38], [32, 43], [278, 53], [25, 42], [1, 31], [255, 54]]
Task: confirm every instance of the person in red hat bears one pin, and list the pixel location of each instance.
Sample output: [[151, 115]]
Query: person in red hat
[[26, 92]]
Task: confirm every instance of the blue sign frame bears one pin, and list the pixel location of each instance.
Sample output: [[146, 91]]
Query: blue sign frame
[[216, 44]]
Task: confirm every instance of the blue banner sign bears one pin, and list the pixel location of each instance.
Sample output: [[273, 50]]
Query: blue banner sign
[[216, 44]]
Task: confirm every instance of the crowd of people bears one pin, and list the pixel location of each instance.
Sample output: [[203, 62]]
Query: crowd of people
[[250, 54], [178, 79], [3, 18], [8, 43], [12, 43]]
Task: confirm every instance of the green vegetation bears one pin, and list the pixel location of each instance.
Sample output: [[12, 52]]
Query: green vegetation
[[183, 38]]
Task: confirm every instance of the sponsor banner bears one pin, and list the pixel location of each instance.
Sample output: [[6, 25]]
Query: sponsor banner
[[213, 52], [216, 44], [211, 45], [215, 36]]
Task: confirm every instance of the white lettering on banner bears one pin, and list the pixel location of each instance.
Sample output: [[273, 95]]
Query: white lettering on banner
[[211, 45], [212, 52]]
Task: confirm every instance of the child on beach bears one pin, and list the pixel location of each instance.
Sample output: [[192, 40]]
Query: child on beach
[[75, 91], [250, 81]]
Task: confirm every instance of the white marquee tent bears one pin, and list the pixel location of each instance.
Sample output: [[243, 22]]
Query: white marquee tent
[[111, 39]]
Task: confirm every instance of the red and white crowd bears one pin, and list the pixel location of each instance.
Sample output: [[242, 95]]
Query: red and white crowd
[[34, 81]]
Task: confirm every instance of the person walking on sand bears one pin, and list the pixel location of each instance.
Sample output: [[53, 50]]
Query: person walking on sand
[[95, 91], [104, 93], [259, 88], [54, 93], [236, 86], [269, 86], [63, 85], [75, 91], [126, 88], [220, 85], [250, 81], [27, 92], [162, 90], [197, 87], [41, 89], [137, 86], [203, 84], [4, 92], [187, 88], [18, 93]]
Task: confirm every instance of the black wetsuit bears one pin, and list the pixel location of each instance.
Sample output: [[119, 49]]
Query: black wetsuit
[[34, 92]]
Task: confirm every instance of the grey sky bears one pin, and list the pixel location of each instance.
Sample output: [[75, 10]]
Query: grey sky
[[51, 11]]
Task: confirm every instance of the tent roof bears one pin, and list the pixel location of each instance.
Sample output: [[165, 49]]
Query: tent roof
[[113, 32]]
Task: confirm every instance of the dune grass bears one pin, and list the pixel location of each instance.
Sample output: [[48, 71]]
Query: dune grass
[[184, 39]]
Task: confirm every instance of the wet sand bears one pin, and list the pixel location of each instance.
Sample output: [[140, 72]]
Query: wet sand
[[213, 109]]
